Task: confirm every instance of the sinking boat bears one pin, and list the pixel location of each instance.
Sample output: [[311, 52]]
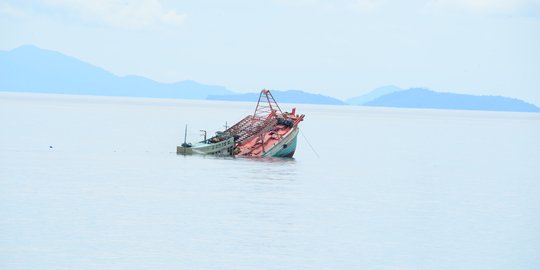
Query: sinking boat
[[268, 132]]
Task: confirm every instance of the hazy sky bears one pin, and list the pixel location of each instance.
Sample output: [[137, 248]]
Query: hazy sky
[[342, 48]]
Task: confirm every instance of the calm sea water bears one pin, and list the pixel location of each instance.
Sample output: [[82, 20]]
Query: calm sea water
[[389, 189]]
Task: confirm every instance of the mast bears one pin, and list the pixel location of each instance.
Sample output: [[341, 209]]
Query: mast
[[267, 106], [185, 144], [185, 135]]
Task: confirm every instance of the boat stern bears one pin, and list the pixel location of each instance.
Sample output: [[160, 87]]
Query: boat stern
[[181, 150]]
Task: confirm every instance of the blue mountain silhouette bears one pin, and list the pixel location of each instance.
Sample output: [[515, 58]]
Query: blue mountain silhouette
[[289, 96], [31, 69], [424, 98], [377, 93]]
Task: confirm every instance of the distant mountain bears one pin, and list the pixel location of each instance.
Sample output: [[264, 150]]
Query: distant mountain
[[31, 69], [423, 98], [289, 96], [379, 92]]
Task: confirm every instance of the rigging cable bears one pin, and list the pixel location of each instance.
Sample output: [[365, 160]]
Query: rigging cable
[[313, 149]]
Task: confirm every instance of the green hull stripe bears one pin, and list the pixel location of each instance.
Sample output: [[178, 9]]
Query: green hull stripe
[[287, 151]]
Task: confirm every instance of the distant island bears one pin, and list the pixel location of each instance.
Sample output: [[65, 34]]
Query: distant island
[[424, 98], [375, 94], [290, 96], [35, 70]]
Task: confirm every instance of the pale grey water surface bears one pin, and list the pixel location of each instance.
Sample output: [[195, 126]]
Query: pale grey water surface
[[392, 189]]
